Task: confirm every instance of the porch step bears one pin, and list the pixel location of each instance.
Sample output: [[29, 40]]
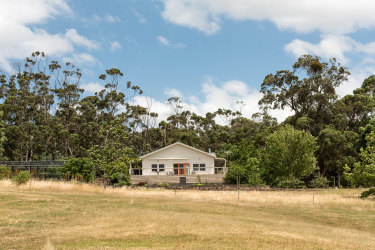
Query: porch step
[[174, 179]]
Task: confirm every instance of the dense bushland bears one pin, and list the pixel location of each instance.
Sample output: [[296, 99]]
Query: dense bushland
[[44, 115]]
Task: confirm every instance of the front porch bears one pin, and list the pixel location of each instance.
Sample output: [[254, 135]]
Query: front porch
[[175, 179]]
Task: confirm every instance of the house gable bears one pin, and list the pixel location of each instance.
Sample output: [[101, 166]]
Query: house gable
[[177, 151]]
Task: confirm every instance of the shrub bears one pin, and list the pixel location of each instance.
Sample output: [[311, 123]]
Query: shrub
[[234, 171], [289, 182], [22, 177], [54, 173], [81, 169], [363, 172], [162, 184], [368, 193], [319, 182], [4, 172], [119, 179], [244, 162], [249, 173]]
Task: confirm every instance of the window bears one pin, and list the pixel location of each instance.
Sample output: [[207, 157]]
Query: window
[[218, 170], [195, 167], [175, 168], [181, 168], [202, 167], [154, 167], [199, 167]]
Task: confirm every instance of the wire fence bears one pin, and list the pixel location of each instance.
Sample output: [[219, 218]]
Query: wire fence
[[38, 169]]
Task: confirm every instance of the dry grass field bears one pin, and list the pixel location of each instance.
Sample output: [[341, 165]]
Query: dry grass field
[[56, 215]]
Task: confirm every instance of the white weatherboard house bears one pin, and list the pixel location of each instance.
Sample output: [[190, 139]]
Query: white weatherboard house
[[181, 159]]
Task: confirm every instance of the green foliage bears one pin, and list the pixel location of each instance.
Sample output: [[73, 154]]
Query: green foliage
[[3, 137], [363, 172], [81, 169], [119, 179], [57, 173], [289, 155], [289, 182], [308, 89], [348, 176], [235, 170], [163, 184], [110, 130], [319, 182], [368, 193], [365, 131], [112, 158], [22, 177], [111, 164], [336, 148], [244, 162], [4, 172]]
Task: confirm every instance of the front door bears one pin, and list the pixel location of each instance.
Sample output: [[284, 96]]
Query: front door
[[181, 168]]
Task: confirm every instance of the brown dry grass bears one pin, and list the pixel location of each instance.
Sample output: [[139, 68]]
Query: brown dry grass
[[57, 215]]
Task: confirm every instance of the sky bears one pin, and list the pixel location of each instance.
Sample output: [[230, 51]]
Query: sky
[[210, 53]]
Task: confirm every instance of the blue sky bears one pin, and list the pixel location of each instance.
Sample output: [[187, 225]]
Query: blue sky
[[211, 53]]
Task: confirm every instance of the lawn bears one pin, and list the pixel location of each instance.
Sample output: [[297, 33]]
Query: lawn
[[56, 215]]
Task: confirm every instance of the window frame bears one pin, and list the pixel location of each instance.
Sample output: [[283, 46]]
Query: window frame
[[202, 168], [154, 167], [195, 167]]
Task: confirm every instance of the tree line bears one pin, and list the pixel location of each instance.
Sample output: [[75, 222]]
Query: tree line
[[45, 115]]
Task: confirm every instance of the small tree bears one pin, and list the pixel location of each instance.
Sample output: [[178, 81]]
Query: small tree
[[289, 154], [4, 172], [363, 173], [112, 159], [244, 162], [111, 164], [79, 169], [22, 177]]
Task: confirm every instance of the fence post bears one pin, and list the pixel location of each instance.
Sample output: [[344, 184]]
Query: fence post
[[238, 187]]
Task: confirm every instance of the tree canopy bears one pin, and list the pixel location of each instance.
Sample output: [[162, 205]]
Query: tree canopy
[[45, 115]]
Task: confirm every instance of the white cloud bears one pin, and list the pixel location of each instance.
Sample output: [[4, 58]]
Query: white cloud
[[80, 59], [161, 108], [331, 46], [31, 12], [334, 16], [212, 98], [173, 93], [164, 41], [96, 18], [92, 87], [358, 74], [112, 19], [73, 36], [115, 46], [18, 40], [139, 16], [339, 46]]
